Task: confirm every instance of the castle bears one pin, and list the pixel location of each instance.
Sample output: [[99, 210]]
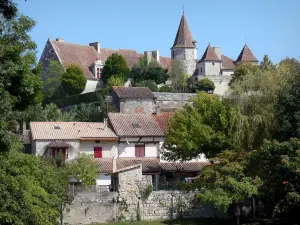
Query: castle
[[91, 58], [212, 65]]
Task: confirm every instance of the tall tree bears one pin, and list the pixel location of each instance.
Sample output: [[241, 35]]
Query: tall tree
[[201, 128], [145, 70], [8, 9], [241, 70], [115, 64], [178, 76], [73, 80], [266, 64]]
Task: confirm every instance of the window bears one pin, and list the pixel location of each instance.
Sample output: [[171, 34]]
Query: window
[[140, 151], [57, 152], [97, 152], [213, 63], [200, 69], [99, 71]]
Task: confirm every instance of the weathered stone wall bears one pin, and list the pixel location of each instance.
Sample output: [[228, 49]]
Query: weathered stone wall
[[167, 100]]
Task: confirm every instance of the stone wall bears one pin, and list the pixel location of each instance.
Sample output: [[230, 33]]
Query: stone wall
[[167, 100]]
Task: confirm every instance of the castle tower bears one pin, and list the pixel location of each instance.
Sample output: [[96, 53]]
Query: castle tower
[[184, 47], [246, 56]]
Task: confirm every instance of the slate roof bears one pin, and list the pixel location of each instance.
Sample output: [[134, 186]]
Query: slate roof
[[227, 63], [70, 130], [134, 125], [133, 92], [246, 55], [162, 120], [184, 36], [150, 165], [85, 56], [209, 55]]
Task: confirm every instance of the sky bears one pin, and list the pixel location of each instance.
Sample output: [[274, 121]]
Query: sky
[[267, 26]]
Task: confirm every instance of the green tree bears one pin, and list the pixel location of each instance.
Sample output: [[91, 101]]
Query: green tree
[[201, 128], [149, 84], [52, 81], [115, 80], [143, 70], [165, 88], [266, 64], [206, 85], [8, 9], [178, 76], [241, 70], [225, 183], [115, 64], [73, 80], [278, 166]]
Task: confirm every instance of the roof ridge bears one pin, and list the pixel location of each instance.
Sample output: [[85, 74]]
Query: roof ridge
[[246, 55], [209, 54]]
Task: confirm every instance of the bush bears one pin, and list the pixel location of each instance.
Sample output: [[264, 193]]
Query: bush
[[73, 80], [149, 84], [165, 88]]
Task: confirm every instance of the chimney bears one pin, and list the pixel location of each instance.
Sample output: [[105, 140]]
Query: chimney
[[60, 40], [114, 164], [218, 52], [96, 45], [156, 55], [24, 127], [148, 56]]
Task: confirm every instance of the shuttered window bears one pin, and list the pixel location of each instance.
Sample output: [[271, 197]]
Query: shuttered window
[[140, 151], [97, 152]]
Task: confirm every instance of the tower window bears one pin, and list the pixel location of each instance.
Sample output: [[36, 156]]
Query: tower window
[[99, 71]]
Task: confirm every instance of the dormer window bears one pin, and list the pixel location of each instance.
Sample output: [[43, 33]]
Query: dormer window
[[98, 73]]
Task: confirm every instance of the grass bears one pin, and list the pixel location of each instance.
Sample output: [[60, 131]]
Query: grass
[[195, 222]]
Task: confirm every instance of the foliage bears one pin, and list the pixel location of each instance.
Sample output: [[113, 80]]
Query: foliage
[[115, 64], [115, 80], [73, 80], [241, 70], [143, 70], [8, 9], [178, 76], [277, 165], [84, 168], [266, 64], [165, 88], [201, 128], [193, 85], [149, 84], [148, 190], [89, 112], [288, 105], [52, 81], [18, 75], [225, 182]]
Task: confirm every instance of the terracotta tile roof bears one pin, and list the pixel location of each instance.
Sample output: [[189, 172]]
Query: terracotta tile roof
[[209, 55], [184, 36], [246, 55], [70, 130], [227, 63], [150, 165], [85, 56], [162, 120], [134, 125], [133, 92]]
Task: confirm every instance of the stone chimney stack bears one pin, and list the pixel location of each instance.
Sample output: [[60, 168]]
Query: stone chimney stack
[[60, 40], [96, 45], [152, 55], [218, 52], [156, 55]]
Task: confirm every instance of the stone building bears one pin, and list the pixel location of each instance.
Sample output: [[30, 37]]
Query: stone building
[[212, 65]]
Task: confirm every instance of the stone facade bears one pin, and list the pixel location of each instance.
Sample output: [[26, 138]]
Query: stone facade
[[188, 57], [171, 101]]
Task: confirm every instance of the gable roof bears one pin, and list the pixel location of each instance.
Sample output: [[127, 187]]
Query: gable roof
[[246, 55], [134, 125], [85, 56], [70, 130], [227, 63], [184, 36], [209, 54], [133, 92], [162, 120]]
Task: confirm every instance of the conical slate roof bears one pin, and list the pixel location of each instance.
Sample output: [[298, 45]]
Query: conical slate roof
[[184, 36], [246, 55], [209, 55]]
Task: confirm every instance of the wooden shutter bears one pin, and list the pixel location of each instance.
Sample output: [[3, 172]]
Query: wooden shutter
[[139, 151], [97, 152]]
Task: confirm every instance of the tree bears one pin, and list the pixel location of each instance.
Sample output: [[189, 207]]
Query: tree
[[73, 80], [178, 76], [149, 84], [203, 128], [206, 85], [165, 88], [225, 183], [8, 9], [115, 64], [52, 81], [278, 166], [115, 80], [241, 70], [144, 70], [266, 64]]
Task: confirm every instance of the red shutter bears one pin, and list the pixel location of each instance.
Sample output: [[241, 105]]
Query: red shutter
[[97, 152], [142, 151], [139, 151]]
